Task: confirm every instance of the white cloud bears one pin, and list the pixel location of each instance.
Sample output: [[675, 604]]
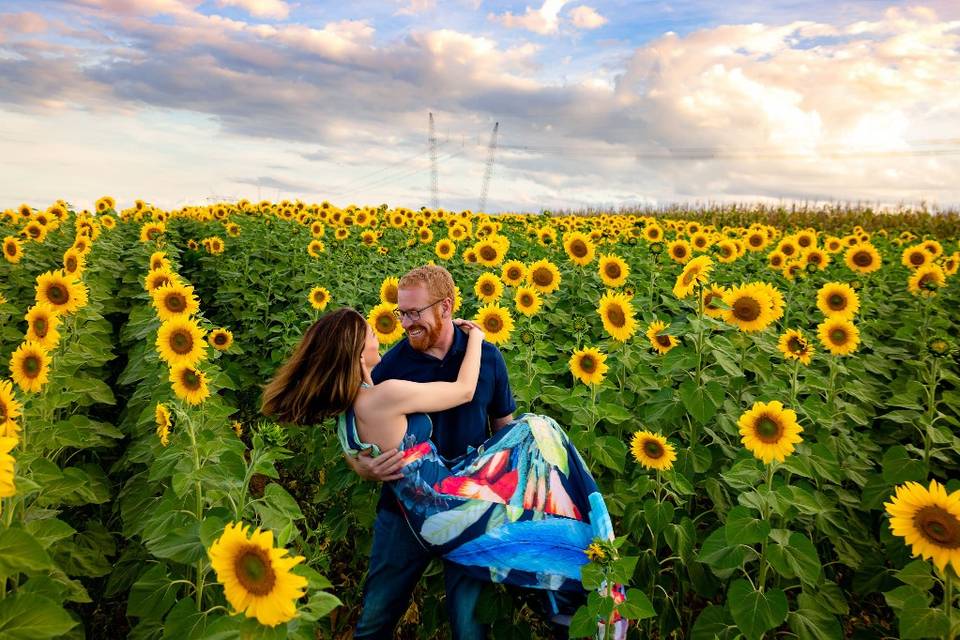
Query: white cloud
[[413, 7], [270, 9], [545, 20], [584, 17]]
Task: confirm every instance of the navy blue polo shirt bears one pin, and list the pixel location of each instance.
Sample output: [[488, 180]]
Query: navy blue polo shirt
[[456, 429]]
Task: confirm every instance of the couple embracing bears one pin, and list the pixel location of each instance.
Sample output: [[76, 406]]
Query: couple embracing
[[517, 507]]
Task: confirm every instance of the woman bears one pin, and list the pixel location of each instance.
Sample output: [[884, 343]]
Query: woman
[[520, 509]]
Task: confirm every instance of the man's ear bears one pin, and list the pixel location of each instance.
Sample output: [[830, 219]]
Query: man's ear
[[447, 305]]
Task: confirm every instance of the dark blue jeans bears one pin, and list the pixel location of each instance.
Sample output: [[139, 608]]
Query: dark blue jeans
[[397, 560]]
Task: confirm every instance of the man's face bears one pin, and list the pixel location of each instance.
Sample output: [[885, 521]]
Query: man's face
[[423, 333]]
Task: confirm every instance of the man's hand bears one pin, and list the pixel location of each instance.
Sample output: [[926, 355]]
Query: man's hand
[[383, 468]]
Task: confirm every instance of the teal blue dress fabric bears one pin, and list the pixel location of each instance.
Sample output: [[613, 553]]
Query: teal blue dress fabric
[[521, 509]]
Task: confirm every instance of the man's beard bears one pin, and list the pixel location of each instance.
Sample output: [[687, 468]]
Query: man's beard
[[430, 335]]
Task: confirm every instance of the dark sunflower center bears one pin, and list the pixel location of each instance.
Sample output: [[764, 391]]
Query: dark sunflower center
[[58, 294], [81, 246], [653, 449], [578, 249], [488, 253], [526, 300], [776, 261], [653, 234], [746, 309], [803, 241], [680, 251], [40, 327], [709, 298], [837, 301], [487, 288], [160, 281], [928, 281], [768, 430], [71, 264], [181, 342], [543, 276], [788, 249], [10, 248], [191, 379], [755, 241], [689, 276], [838, 336], [663, 341], [31, 366], [175, 302], [391, 294], [3, 412], [254, 571], [156, 264], [917, 258], [34, 231], [862, 259], [385, 323], [513, 273], [616, 316], [814, 258], [220, 339], [795, 345], [725, 251], [152, 234], [938, 526], [493, 324], [588, 364], [319, 297], [612, 269]]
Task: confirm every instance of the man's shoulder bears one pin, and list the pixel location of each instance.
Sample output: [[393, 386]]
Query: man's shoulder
[[490, 350], [394, 356]]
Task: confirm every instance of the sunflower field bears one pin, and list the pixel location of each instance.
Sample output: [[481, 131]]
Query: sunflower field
[[768, 398]]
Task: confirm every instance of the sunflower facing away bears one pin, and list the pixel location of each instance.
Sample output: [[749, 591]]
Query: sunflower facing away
[[256, 577], [750, 308], [527, 301], [928, 519], [64, 293], [588, 365], [385, 324], [617, 314], [697, 271], [319, 297], [488, 288], [652, 451], [769, 431], [162, 419], [543, 276], [220, 339], [174, 300], [838, 300], [613, 270], [926, 280], [513, 273], [863, 258], [42, 321], [29, 366], [180, 342], [660, 341], [7, 466], [840, 337], [579, 248], [189, 384], [794, 346], [9, 410], [496, 323]]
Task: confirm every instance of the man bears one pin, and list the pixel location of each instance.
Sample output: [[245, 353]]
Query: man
[[432, 351]]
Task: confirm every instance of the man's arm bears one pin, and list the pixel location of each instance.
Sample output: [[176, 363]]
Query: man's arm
[[383, 468], [500, 423]]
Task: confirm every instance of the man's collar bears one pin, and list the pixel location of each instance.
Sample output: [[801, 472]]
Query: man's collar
[[459, 341]]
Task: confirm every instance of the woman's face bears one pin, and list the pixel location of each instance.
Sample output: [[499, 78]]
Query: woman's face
[[371, 349]]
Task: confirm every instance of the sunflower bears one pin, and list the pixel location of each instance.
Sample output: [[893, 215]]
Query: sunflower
[[838, 300], [794, 346], [757, 241], [750, 308], [588, 365], [29, 366], [863, 258], [180, 342], [42, 321], [159, 260], [470, 256], [220, 339], [513, 273], [769, 431], [12, 249], [527, 301], [488, 288], [64, 293], [776, 260], [315, 248], [727, 251], [547, 236], [816, 257], [697, 271], [341, 233], [934, 247], [712, 294], [579, 248], [653, 233], [158, 278], [215, 245], [679, 251], [496, 323], [7, 466], [543, 276], [9, 410], [660, 341], [175, 300], [915, 257], [74, 262], [838, 336], [928, 519], [189, 384], [617, 314], [926, 280], [162, 419], [384, 323], [388, 291], [319, 297], [613, 270], [951, 264], [652, 451], [445, 249], [256, 577], [151, 231]]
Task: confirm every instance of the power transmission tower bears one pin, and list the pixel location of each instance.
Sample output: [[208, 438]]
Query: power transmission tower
[[434, 173], [491, 151]]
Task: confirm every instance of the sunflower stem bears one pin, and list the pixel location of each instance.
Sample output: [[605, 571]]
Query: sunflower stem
[[199, 514], [761, 582], [931, 410], [948, 600], [793, 384], [699, 333]]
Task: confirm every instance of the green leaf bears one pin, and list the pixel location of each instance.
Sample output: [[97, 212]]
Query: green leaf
[[21, 553], [743, 475], [714, 623], [49, 531], [591, 575], [584, 623], [918, 574], [637, 606], [923, 623], [742, 527], [701, 402], [180, 545], [622, 569], [152, 594], [681, 537], [28, 616], [813, 624], [721, 555], [658, 514], [801, 556], [756, 612], [907, 597], [277, 510], [610, 452], [898, 467]]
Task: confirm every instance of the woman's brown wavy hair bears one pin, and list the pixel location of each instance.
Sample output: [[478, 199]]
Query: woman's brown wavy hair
[[322, 377]]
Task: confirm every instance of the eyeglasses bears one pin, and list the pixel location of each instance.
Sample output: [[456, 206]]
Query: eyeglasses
[[413, 314]]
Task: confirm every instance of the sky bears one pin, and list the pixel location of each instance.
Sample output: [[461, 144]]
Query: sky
[[600, 104]]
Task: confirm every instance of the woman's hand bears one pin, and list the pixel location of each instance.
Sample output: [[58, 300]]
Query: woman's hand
[[468, 326]]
